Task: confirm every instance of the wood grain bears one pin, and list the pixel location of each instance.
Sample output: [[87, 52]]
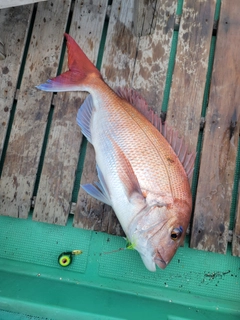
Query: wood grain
[[58, 173], [152, 56], [214, 193], [21, 162], [13, 35], [140, 62], [144, 17], [189, 77]]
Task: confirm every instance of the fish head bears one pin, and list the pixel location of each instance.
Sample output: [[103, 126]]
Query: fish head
[[158, 231]]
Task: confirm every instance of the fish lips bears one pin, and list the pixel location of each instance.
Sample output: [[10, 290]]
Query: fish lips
[[160, 262], [151, 261]]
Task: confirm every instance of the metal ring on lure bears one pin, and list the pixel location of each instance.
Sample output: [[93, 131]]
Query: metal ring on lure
[[65, 258]]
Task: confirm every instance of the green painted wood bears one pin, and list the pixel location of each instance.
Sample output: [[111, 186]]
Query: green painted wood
[[196, 285]]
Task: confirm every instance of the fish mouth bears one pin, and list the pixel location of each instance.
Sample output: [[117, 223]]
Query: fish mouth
[[160, 262]]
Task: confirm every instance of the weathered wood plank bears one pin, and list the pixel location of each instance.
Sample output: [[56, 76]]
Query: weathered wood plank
[[236, 231], [128, 61], [189, 77], [58, 173], [212, 210], [14, 25], [14, 3], [144, 17], [21, 162], [152, 58]]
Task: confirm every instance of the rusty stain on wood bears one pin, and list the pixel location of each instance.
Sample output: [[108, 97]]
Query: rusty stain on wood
[[20, 167], [186, 98], [58, 173], [212, 210], [14, 38]]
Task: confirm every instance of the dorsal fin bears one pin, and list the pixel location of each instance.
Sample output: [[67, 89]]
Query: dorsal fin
[[179, 146]]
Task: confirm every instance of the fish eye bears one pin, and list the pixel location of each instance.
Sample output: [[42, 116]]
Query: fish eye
[[176, 233]]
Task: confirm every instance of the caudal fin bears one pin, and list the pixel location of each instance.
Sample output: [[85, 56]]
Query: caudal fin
[[81, 71]]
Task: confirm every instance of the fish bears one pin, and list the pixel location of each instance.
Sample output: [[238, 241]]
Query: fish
[[143, 166]]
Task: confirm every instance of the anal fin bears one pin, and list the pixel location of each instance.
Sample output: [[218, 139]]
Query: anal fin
[[98, 191]]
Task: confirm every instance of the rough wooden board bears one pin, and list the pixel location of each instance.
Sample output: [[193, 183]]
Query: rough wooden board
[[14, 3], [188, 82], [13, 35], [144, 17], [122, 66], [20, 167], [151, 64], [58, 173], [121, 45], [212, 210], [236, 231]]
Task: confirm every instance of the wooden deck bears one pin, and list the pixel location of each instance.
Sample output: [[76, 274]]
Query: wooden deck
[[43, 154]]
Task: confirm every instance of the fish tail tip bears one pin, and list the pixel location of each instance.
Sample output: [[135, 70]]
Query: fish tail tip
[[67, 36], [47, 86], [76, 78]]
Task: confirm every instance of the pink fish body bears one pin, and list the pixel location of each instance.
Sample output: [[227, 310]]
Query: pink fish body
[[140, 174]]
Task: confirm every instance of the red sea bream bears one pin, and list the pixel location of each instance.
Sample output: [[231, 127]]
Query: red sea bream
[[142, 166]]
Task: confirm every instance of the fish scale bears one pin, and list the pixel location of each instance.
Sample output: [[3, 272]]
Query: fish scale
[[145, 149], [139, 173]]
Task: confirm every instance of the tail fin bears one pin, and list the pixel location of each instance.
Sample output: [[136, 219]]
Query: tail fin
[[80, 67]]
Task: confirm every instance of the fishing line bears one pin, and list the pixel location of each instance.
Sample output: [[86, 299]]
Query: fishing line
[[129, 246]]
